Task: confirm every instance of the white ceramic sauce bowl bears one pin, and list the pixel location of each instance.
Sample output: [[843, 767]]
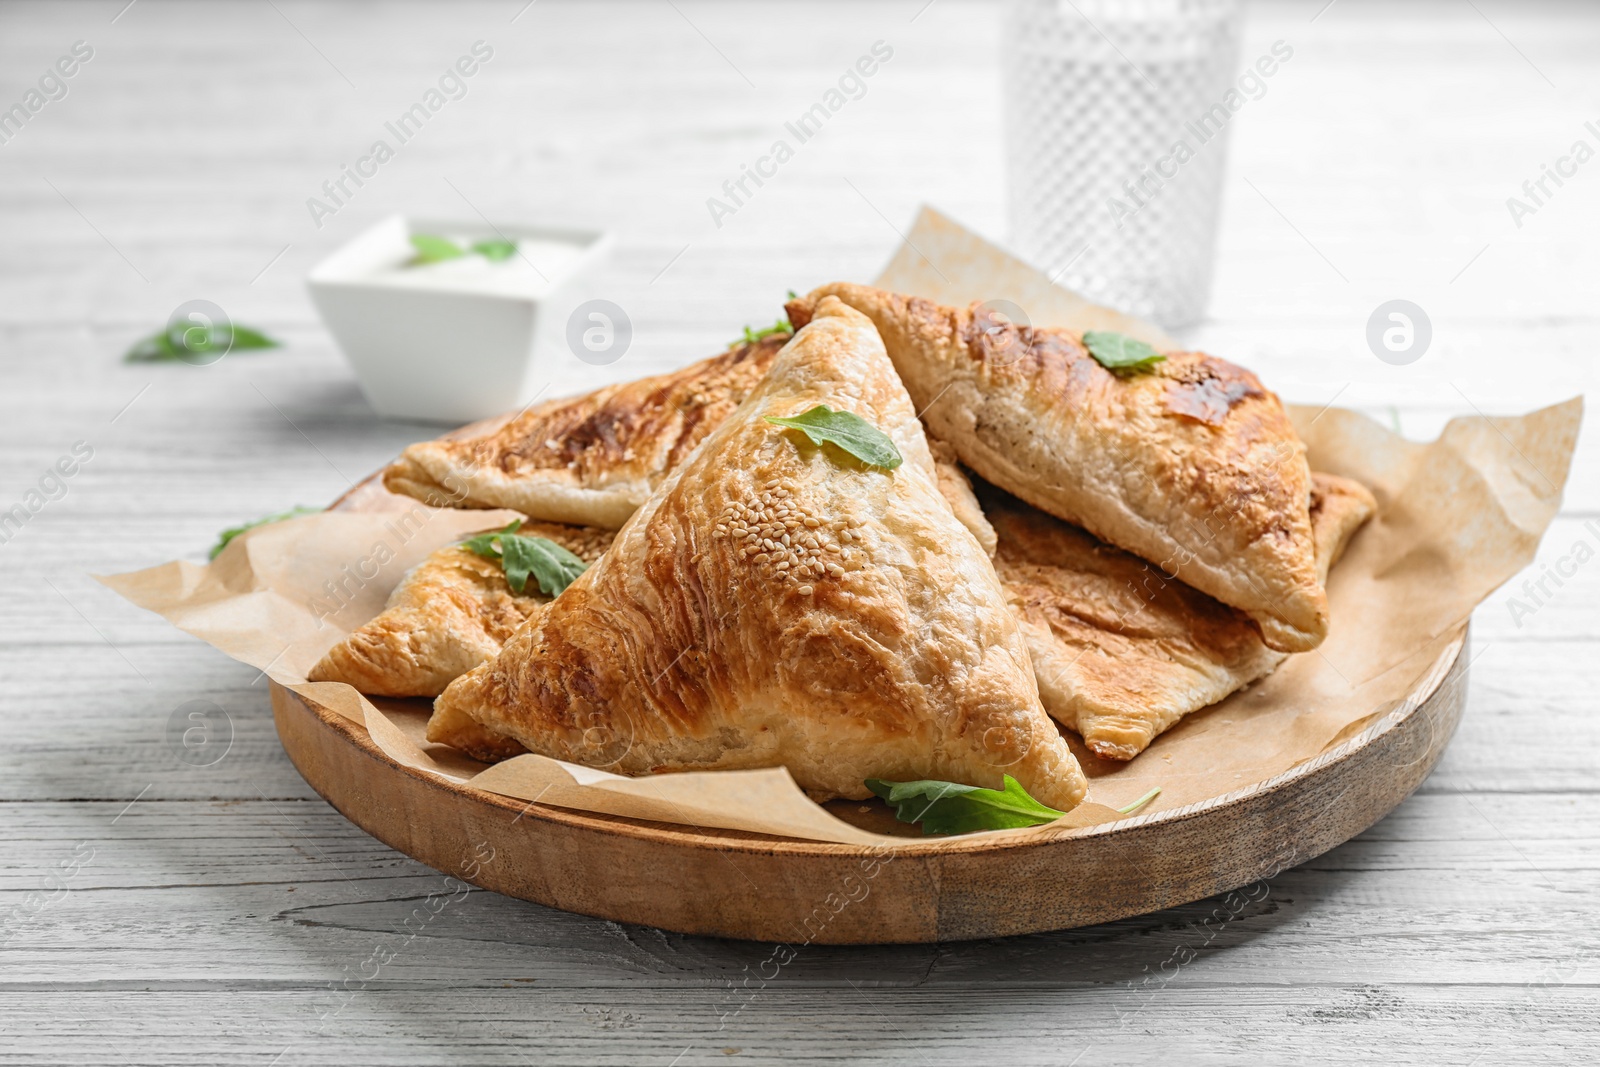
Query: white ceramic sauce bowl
[[456, 340]]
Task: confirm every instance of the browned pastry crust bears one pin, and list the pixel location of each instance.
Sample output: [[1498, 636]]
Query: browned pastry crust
[[452, 612], [1192, 465], [1121, 651], [592, 459], [776, 603]]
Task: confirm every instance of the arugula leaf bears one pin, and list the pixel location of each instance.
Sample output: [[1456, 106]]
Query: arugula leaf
[[1117, 351], [551, 565], [484, 544], [846, 430], [158, 346], [245, 337], [951, 808], [495, 251], [182, 340], [431, 249], [234, 531], [752, 336]]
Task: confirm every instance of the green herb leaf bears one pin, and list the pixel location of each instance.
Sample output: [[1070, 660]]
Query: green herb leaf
[[431, 249], [752, 336], [1117, 351], [1141, 802], [551, 565], [154, 349], [848, 431], [485, 545], [245, 337], [232, 532], [951, 808], [184, 340], [495, 251]]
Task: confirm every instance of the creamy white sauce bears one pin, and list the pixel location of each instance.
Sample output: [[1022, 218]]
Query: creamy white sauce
[[538, 265]]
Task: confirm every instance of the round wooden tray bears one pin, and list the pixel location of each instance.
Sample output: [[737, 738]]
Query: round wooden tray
[[732, 884]]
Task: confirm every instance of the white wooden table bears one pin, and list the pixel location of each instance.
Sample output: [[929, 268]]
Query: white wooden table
[[154, 912]]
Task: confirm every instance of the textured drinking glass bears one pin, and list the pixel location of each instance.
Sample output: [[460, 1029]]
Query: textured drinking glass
[[1117, 115]]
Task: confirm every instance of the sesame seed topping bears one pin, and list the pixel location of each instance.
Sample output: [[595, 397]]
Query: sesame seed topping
[[784, 540]]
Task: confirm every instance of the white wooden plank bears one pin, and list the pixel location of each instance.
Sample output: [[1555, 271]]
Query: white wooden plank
[[519, 1025], [215, 912], [258, 894]]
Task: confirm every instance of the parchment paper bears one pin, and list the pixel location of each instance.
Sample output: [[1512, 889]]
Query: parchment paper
[[1456, 518]]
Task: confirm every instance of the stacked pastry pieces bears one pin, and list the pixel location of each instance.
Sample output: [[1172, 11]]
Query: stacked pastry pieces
[[1139, 545]]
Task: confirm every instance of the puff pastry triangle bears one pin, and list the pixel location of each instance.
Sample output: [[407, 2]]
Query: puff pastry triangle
[[778, 603], [1192, 465], [592, 459], [1121, 651], [453, 611]]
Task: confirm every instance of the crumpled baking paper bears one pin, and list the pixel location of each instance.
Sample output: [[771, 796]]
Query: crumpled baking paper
[[1456, 518]]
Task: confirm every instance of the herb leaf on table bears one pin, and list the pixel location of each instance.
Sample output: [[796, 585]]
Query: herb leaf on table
[[182, 340]]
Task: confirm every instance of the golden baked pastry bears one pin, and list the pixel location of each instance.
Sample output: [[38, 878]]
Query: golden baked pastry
[[957, 490], [592, 459], [780, 603], [453, 727], [452, 612], [1122, 652], [1339, 507], [1191, 464]]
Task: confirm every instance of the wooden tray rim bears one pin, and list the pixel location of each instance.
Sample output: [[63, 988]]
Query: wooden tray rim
[[718, 839]]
